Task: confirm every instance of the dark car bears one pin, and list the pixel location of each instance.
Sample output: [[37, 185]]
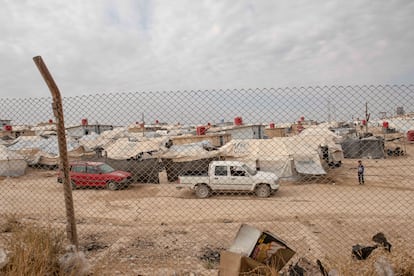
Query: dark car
[[96, 174]]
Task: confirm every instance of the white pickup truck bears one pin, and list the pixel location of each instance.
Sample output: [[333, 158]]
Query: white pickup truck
[[230, 176]]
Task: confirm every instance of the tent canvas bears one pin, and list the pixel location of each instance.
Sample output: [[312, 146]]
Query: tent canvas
[[45, 151], [124, 148], [190, 152], [11, 163], [284, 156]]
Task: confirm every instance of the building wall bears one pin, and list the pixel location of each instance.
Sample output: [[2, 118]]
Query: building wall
[[80, 131], [249, 132], [275, 132], [4, 123], [216, 140]]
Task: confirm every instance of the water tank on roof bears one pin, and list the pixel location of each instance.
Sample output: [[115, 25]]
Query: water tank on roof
[[201, 130], [238, 121], [8, 128], [385, 124], [272, 125], [410, 135]]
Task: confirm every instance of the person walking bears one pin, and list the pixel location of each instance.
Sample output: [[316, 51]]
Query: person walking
[[361, 171]]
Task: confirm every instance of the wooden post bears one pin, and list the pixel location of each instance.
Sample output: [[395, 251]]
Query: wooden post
[[64, 163]]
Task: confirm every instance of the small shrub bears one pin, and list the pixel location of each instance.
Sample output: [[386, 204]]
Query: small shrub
[[34, 250]]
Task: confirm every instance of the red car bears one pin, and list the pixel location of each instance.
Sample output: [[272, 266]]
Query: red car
[[96, 174]]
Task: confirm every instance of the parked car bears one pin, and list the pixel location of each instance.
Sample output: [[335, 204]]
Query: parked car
[[230, 176], [96, 174]]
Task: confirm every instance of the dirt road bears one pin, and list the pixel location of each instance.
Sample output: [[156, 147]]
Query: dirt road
[[159, 226]]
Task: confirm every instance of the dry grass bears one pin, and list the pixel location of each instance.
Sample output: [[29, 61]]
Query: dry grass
[[33, 250], [401, 263]]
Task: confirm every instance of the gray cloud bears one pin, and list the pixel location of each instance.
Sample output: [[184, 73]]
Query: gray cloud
[[118, 46]]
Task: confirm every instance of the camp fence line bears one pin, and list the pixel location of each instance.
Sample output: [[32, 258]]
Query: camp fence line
[[310, 144]]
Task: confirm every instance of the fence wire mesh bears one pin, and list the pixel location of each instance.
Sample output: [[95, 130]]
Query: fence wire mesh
[[164, 180]]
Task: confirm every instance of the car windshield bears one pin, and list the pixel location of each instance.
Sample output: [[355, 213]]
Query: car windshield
[[105, 168], [249, 170]]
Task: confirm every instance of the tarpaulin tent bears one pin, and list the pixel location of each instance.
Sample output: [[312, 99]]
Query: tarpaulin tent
[[140, 158], [45, 151], [11, 163], [285, 156], [321, 136], [188, 158]]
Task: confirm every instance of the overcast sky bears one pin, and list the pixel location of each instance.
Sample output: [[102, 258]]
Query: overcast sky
[[106, 46]]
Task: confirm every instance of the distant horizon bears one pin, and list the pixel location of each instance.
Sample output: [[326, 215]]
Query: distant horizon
[[255, 106]]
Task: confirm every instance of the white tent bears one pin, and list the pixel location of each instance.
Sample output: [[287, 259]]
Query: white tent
[[320, 135], [11, 163], [94, 140], [45, 151], [190, 152], [284, 156], [124, 148]]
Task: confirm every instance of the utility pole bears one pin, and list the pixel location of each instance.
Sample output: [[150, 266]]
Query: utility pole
[[143, 124], [367, 115]]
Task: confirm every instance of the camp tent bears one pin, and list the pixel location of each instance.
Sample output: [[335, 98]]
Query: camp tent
[[139, 157], [11, 163], [285, 156], [190, 152], [125, 148], [193, 157], [45, 151], [321, 136]]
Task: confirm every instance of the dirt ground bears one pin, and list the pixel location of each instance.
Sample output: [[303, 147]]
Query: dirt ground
[[155, 229]]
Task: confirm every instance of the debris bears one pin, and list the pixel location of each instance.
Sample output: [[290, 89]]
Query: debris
[[383, 267], [321, 268], [74, 262], [210, 255], [253, 249], [362, 252], [3, 258], [296, 270], [382, 240], [303, 267], [95, 246], [395, 152]]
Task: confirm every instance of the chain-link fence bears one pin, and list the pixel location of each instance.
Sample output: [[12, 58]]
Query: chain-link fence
[[166, 179]]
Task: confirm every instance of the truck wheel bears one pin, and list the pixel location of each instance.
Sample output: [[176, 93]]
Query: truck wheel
[[202, 191], [263, 190]]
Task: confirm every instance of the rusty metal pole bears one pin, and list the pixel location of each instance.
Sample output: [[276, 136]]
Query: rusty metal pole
[[64, 163]]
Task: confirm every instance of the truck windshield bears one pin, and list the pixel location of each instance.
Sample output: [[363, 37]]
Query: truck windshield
[[249, 170], [105, 168]]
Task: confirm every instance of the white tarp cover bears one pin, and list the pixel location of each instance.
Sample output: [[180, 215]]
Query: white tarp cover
[[279, 155], [124, 148], [320, 135], [45, 151], [190, 152], [11, 163], [94, 140]]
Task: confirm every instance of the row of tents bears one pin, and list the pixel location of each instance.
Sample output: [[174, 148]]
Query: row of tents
[[306, 153]]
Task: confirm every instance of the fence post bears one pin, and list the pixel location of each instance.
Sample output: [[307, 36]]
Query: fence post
[[64, 163]]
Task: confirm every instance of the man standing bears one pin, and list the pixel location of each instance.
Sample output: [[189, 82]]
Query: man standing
[[361, 170]]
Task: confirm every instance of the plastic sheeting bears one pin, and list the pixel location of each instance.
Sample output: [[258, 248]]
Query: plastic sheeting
[[11, 163]]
